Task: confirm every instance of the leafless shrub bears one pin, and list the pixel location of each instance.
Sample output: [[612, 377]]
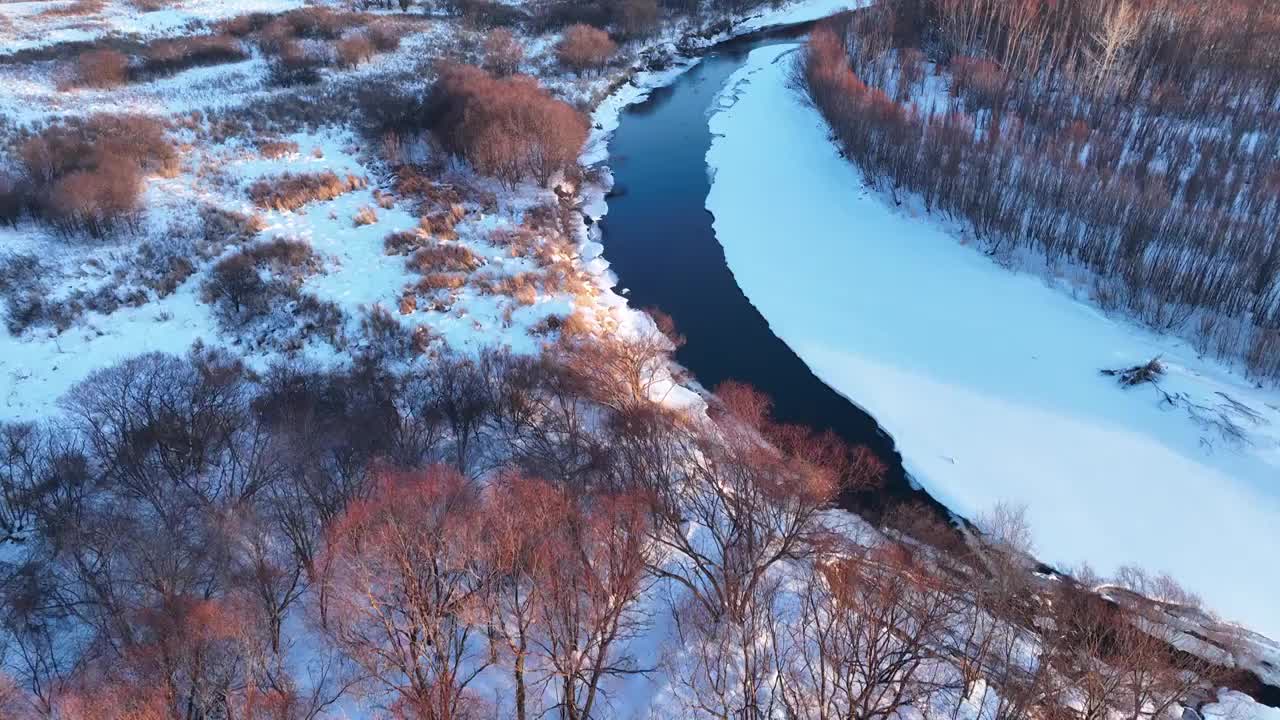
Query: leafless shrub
[[1148, 372], [502, 52], [431, 282], [637, 18], [297, 64], [237, 286], [23, 289], [354, 50], [385, 338], [166, 57], [384, 37], [585, 48], [98, 201], [101, 69], [509, 128], [365, 216], [15, 198]]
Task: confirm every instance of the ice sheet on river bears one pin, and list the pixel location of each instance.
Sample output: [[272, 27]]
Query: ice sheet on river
[[988, 379]]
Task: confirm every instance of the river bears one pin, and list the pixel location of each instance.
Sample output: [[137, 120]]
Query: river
[[659, 240]]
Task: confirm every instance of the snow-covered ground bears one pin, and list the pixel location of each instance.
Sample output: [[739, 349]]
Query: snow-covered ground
[[989, 379], [40, 23]]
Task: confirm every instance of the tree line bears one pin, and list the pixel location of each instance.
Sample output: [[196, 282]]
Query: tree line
[[497, 534], [1135, 140]]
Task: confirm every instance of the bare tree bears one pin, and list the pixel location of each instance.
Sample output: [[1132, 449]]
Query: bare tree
[[408, 591]]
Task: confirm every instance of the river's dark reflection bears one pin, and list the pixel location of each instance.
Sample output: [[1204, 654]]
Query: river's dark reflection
[[659, 240]]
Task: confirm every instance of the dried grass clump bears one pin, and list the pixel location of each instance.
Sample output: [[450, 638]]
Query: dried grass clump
[[519, 242], [285, 257], [273, 149], [222, 228], [522, 287], [75, 9], [440, 281], [444, 258], [244, 25], [290, 191], [365, 216], [402, 242], [1148, 372]]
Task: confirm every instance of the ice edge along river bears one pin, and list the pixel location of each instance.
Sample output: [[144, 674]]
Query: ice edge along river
[[988, 379]]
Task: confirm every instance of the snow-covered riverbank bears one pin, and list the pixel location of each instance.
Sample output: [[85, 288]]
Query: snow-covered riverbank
[[988, 379]]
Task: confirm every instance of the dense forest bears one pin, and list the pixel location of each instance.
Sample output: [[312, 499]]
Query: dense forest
[[1137, 141]]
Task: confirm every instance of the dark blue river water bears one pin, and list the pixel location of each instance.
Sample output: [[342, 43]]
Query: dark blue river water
[[659, 240]]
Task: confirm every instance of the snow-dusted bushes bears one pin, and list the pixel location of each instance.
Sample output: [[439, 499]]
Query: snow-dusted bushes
[[365, 216], [258, 280]]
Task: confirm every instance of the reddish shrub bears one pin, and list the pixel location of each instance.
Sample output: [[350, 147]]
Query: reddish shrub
[[87, 175], [354, 50], [385, 38], [101, 69], [502, 52], [98, 201], [584, 48], [171, 56], [509, 128]]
